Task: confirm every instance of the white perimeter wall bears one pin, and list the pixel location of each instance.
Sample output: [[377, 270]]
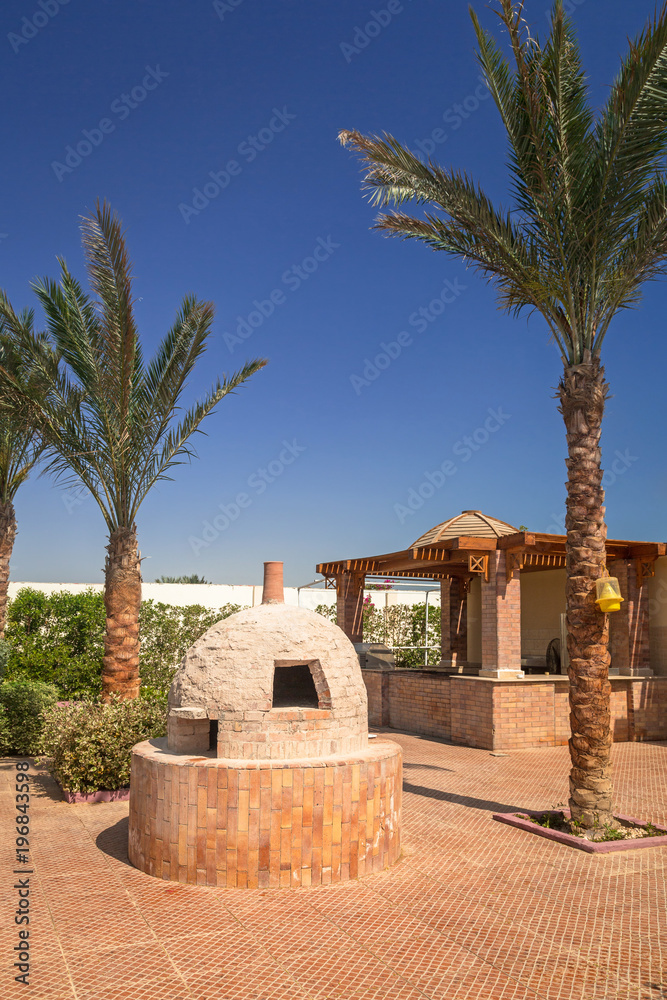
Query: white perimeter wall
[[215, 595]]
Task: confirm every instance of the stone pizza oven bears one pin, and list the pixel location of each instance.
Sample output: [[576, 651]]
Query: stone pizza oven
[[271, 682], [267, 776]]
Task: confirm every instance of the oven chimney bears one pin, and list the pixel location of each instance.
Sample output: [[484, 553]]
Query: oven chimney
[[272, 592]]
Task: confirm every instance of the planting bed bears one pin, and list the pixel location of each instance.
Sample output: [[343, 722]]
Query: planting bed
[[101, 795], [523, 822]]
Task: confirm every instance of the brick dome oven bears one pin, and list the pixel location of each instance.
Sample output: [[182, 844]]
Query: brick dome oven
[[266, 777], [270, 682]]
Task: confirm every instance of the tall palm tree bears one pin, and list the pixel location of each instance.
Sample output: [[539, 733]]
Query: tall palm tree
[[586, 228], [20, 449], [108, 418], [13, 471]]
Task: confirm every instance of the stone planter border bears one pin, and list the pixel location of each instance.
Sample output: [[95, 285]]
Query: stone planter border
[[101, 795], [599, 847]]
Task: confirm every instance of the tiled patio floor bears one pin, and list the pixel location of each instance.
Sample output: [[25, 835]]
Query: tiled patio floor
[[474, 909]]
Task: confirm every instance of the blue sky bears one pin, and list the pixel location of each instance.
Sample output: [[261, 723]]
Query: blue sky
[[211, 129]]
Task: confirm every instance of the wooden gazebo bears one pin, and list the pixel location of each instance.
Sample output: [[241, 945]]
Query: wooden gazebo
[[473, 544]]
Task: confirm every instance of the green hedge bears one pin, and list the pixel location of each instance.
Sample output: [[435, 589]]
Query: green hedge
[[5, 650], [21, 706], [167, 632], [400, 625], [88, 744], [53, 651], [59, 639]]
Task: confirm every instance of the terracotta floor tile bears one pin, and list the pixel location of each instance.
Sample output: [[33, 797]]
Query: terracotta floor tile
[[473, 910]]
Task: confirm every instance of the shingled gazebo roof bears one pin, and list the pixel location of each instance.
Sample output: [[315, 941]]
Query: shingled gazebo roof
[[472, 523]]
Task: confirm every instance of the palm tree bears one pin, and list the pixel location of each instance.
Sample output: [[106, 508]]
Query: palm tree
[[20, 448], [586, 228], [108, 419], [194, 578]]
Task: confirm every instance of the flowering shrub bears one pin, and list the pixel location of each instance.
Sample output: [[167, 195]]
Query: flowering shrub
[[88, 743]]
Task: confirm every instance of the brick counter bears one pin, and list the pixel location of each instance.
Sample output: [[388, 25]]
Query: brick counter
[[507, 715]]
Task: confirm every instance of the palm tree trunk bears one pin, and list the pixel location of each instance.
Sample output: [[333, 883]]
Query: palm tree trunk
[[7, 536], [582, 393], [122, 600]]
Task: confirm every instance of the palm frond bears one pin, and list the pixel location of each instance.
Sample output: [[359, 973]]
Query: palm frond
[[21, 442], [392, 174], [20, 449], [175, 443], [110, 277], [585, 228], [632, 131], [105, 420], [176, 357]]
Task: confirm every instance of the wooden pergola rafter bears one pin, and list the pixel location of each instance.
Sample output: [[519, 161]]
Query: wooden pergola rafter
[[454, 562], [466, 555]]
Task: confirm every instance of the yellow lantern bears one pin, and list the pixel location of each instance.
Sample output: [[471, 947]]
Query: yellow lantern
[[608, 594]]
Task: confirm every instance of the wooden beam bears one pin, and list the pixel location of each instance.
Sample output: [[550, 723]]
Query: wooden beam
[[647, 550], [468, 543], [346, 566], [547, 547], [516, 541], [424, 568], [449, 557], [629, 543], [479, 564], [645, 569], [364, 563], [430, 572], [616, 551], [543, 560], [513, 561]]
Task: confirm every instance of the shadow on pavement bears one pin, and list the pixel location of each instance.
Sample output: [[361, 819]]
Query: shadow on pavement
[[427, 767], [459, 800], [113, 841], [42, 783]]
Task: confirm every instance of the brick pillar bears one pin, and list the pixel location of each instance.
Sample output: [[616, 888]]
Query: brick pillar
[[349, 605], [619, 634], [501, 621], [454, 622], [628, 628]]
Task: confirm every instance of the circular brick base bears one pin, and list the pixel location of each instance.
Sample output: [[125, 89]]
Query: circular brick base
[[264, 823]]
